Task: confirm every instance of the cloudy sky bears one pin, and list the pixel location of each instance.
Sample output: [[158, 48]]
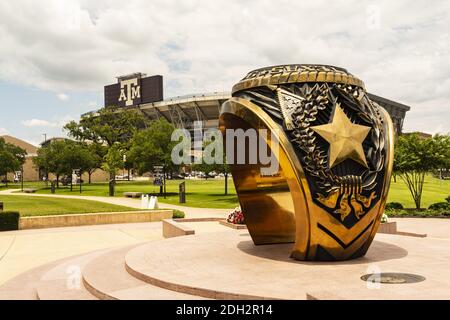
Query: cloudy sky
[[56, 55]]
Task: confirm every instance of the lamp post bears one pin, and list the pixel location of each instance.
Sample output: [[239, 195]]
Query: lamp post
[[124, 158]]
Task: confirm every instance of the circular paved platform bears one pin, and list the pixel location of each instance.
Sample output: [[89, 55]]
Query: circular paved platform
[[227, 265]]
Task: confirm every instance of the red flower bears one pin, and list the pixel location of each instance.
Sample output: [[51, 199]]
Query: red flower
[[236, 217]]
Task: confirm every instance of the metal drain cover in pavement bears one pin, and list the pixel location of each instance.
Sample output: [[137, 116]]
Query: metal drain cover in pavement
[[392, 278]]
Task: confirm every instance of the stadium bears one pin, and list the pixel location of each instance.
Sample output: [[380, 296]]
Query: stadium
[[146, 93]]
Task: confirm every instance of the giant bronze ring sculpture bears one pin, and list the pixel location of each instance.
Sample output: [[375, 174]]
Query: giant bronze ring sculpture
[[335, 160]]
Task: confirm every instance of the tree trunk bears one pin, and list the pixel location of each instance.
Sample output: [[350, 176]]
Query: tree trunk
[[57, 181], [417, 200], [226, 183], [89, 175], [112, 183]]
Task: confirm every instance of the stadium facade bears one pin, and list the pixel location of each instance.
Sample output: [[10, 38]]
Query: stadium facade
[[146, 93]]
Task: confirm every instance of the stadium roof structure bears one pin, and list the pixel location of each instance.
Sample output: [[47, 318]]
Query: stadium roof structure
[[182, 111]]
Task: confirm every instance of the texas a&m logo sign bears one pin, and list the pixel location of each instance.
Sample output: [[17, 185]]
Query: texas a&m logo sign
[[130, 90], [134, 90]]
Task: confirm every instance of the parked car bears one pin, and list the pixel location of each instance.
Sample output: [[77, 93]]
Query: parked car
[[176, 177], [65, 180], [122, 177]]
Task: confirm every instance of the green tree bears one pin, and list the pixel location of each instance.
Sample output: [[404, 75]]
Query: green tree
[[113, 160], [61, 157], [12, 158], [97, 152], [47, 158], [78, 156], [217, 166], [107, 127], [414, 157], [153, 147]]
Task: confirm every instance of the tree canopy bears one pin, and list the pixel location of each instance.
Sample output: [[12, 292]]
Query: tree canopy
[[110, 125], [108, 128], [62, 156], [217, 160], [113, 160], [415, 156], [11, 157], [152, 147]]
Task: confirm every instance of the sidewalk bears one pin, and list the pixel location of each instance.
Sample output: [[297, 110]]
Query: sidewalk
[[132, 203], [26, 249]]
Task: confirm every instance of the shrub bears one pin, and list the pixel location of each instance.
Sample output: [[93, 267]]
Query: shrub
[[9, 221], [177, 214], [440, 206], [394, 206], [415, 213], [447, 199]]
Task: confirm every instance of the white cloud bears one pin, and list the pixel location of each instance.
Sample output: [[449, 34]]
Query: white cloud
[[55, 123], [401, 49], [3, 132], [36, 123], [63, 97]]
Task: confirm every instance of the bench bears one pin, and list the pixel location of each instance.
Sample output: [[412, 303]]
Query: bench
[[29, 190], [132, 194]]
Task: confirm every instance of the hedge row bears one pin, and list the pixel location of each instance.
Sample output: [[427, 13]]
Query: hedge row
[[9, 221]]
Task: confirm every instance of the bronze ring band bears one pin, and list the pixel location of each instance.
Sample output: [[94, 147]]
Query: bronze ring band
[[335, 162], [277, 75]]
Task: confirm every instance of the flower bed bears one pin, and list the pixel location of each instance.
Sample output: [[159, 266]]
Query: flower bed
[[236, 217]]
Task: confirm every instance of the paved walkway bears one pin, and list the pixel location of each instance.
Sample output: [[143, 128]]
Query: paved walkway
[[26, 249], [228, 264], [129, 202], [433, 227]]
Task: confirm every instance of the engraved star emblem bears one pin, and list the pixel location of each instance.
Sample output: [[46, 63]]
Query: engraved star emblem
[[345, 138]]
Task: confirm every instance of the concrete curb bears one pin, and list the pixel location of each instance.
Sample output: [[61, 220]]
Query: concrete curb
[[85, 219]]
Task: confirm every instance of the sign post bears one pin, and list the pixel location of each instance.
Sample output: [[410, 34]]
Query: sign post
[[182, 192], [21, 177], [160, 179], [76, 174]]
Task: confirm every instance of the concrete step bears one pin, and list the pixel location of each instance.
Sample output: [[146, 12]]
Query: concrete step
[[106, 278], [23, 286], [65, 280]]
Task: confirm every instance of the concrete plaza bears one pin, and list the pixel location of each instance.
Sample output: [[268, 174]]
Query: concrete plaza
[[217, 262], [224, 256]]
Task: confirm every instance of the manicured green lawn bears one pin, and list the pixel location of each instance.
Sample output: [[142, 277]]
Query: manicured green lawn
[[434, 190], [199, 193], [210, 193], [11, 185], [42, 206]]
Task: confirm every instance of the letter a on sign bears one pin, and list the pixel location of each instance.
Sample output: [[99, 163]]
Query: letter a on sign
[[129, 90]]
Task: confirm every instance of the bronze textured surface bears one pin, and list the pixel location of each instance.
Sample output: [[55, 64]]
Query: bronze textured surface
[[335, 156]]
